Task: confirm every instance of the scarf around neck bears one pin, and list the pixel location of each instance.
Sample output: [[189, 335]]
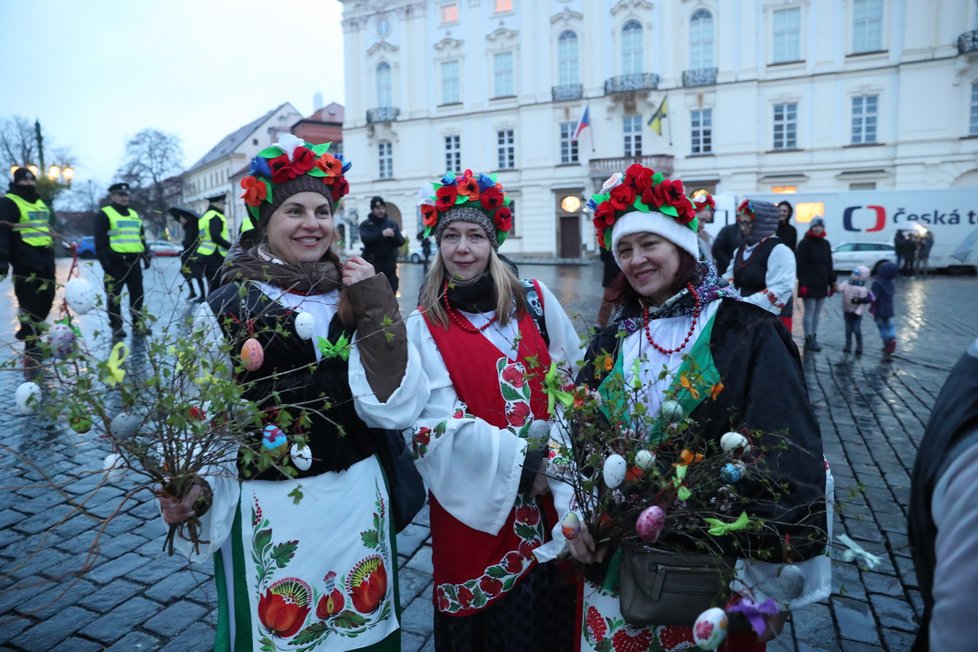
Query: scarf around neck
[[257, 263], [710, 287], [475, 295]]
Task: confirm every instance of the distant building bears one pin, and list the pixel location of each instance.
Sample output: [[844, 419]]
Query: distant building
[[737, 97], [213, 173], [323, 126]]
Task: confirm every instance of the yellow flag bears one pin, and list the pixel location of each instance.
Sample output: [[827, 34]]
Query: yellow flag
[[655, 122]]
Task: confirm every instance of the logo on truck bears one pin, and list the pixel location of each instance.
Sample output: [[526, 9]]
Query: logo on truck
[[880, 218]]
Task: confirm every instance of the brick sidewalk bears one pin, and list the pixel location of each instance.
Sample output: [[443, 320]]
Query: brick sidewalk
[[130, 596]]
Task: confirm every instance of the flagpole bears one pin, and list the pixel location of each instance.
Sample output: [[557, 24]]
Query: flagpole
[[670, 121]]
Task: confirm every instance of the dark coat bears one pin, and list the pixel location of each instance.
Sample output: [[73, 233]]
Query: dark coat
[[815, 275], [378, 248], [763, 389], [788, 235], [884, 289], [728, 239]]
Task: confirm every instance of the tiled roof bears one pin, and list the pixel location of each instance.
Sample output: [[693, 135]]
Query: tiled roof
[[233, 140]]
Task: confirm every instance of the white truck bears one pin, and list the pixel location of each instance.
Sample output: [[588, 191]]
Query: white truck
[[872, 216]]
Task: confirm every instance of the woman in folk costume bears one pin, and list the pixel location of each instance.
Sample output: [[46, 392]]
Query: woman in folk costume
[[486, 341], [763, 268], [676, 318], [320, 572]]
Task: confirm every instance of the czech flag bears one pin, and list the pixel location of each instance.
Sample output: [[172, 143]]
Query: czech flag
[[584, 122]]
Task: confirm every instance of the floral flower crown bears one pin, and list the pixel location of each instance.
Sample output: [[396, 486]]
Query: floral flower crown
[[703, 201], [481, 192], [289, 158], [639, 189]]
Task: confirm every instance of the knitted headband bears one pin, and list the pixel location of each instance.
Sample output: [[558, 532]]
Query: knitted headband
[[643, 201], [288, 167], [467, 198], [765, 217]]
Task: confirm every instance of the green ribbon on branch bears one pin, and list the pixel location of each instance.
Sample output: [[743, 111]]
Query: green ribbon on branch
[[341, 349], [719, 528], [553, 389], [114, 373]]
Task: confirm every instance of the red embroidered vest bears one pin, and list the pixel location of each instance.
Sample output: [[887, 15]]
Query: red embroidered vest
[[473, 568]]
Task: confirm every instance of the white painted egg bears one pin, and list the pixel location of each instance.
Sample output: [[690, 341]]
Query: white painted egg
[[791, 579], [570, 526], [644, 459], [113, 466], [710, 628], [305, 324], [301, 457], [671, 411], [61, 340], [80, 295], [27, 397], [734, 442], [614, 470], [650, 522], [124, 425]]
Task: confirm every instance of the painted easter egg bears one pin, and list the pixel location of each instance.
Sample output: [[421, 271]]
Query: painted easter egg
[[301, 457], [791, 579], [734, 442], [80, 295], [124, 425], [61, 340], [113, 466], [27, 397], [252, 354], [570, 526], [731, 473], [614, 470], [272, 438], [650, 522], [671, 411], [710, 628], [305, 324], [644, 459]]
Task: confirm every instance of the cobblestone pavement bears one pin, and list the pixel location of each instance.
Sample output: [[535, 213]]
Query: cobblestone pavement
[[98, 580]]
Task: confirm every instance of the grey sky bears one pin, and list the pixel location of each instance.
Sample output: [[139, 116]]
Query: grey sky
[[96, 72]]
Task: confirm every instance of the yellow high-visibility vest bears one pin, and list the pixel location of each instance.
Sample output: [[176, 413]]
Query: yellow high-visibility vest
[[34, 224], [125, 231], [207, 245]]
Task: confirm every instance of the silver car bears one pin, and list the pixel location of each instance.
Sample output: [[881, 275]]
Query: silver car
[[848, 255]]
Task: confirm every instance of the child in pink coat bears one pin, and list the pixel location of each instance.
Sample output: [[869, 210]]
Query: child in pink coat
[[855, 297]]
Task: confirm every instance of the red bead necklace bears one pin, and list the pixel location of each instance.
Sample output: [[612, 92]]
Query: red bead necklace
[[692, 327], [458, 319]]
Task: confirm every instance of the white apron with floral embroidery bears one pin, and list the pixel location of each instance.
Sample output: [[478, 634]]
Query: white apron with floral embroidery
[[314, 575]]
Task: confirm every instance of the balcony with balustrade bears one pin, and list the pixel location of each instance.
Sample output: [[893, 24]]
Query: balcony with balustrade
[[382, 114], [600, 169], [968, 42], [567, 92], [640, 81], [699, 77]]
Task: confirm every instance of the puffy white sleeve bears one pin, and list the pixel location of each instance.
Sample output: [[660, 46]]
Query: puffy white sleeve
[[472, 467], [402, 408], [780, 280]]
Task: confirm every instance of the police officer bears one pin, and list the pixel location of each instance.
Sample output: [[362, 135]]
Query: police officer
[[215, 241], [27, 246], [382, 239], [120, 245]]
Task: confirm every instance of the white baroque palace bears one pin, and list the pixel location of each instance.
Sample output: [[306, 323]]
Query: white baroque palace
[[734, 96]]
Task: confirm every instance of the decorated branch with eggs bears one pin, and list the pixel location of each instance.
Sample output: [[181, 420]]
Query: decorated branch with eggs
[[648, 482]]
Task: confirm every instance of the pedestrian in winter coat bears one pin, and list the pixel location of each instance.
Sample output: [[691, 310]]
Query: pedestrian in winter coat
[[789, 238], [382, 239], [884, 290], [816, 280], [855, 297], [27, 246], [724, 246]]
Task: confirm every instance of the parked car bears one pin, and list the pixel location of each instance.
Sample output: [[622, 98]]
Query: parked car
[[164, 248], [848, 255], [85, 248], [416, 255]]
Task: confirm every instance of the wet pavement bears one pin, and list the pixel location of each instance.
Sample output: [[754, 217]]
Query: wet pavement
[[81, 566]]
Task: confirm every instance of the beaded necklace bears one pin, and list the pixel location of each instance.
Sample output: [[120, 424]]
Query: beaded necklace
[[458, 319], [692, 327]]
